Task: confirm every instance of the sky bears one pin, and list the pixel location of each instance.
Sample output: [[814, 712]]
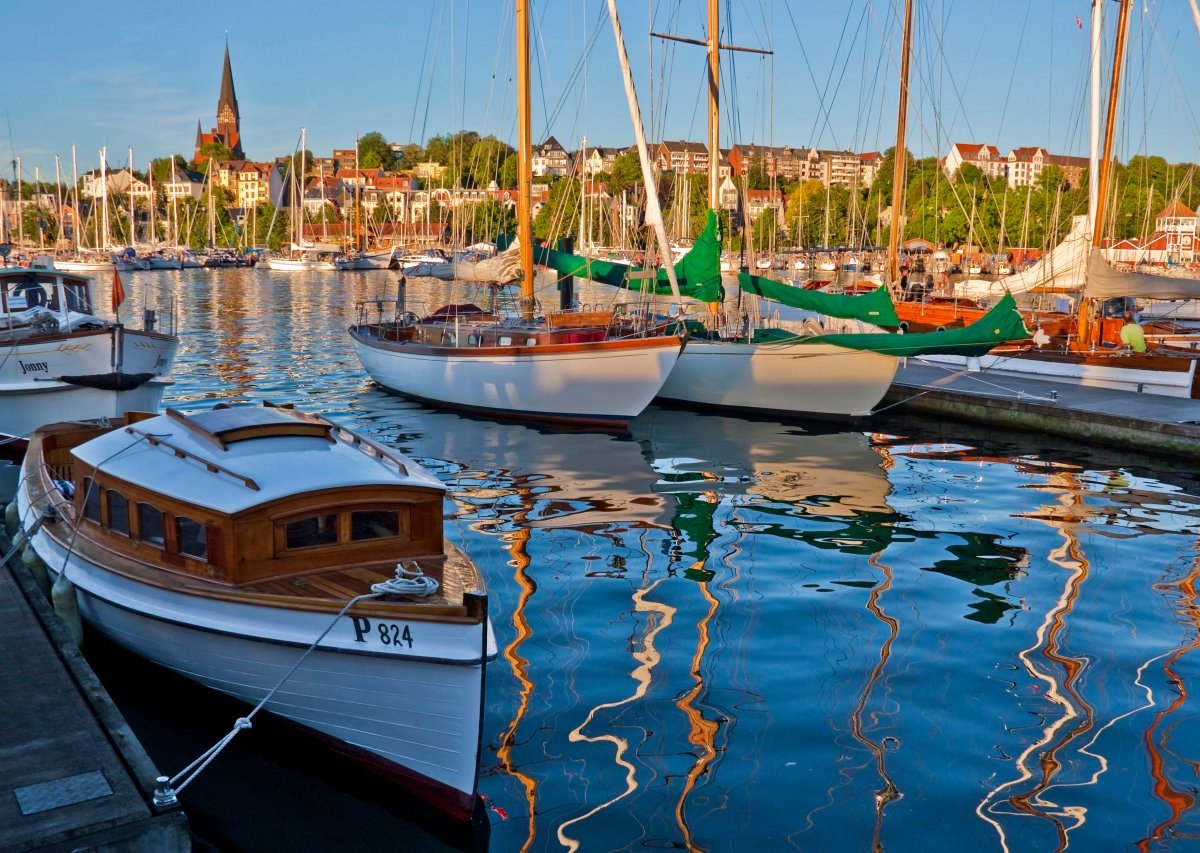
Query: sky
[[1007, 72]]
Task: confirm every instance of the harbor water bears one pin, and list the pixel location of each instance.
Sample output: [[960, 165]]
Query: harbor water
[[724, 634]]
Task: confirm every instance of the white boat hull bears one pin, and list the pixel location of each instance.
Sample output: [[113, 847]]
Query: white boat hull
[[571, 383], [418, 709], [82, 266], [1116, 375], [789, 378], [299, 265], [31, 394]]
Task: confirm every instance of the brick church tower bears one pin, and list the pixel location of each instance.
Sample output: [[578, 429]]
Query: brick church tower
[[228, 131]]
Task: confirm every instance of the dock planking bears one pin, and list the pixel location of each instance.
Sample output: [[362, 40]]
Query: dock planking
[[1114, 418], [72, 775]]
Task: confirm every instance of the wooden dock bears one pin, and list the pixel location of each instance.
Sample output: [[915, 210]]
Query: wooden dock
[[1147, 422], [72, 774]]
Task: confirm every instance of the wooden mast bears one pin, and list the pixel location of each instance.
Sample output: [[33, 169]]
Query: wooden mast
[[1087, 304], [525, 162], [714, 98], [899, 164]]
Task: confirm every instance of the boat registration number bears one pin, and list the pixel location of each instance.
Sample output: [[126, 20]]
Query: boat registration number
[[384, 633]]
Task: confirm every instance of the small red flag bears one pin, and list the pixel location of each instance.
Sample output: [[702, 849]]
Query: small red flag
[[1078, 22], [118, 290]]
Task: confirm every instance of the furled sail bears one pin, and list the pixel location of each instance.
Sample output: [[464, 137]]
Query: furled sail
[[698, 272], [1002, 324], [1062, 269], [874, 307], [1104, 282]]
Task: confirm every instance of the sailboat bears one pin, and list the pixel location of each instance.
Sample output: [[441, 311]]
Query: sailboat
[[1093, 354], [594, 368], [836, 362], [300, 257]]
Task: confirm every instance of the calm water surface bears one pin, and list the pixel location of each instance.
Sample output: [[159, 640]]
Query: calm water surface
[[723, 634]]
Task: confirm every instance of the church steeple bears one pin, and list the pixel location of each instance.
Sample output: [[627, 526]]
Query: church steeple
[[229, 120], [228, 131]]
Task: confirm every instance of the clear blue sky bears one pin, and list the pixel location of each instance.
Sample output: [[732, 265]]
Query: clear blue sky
[[1007, 72]]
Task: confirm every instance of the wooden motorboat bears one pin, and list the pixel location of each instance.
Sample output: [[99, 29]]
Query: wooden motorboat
[[224, 544]]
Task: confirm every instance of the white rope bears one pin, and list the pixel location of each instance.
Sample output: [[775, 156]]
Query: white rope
[[409, 580]]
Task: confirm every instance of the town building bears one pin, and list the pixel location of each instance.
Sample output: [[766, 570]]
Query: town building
[[228, 131], [984, 157], [550, 159], [1173, 240], [1025, 166]]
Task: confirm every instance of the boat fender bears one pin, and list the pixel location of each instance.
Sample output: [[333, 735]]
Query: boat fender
[[12, 518], [66, 605], [37, 568]]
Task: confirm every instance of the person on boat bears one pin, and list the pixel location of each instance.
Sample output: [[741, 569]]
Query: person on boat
[[1132, 335], [904, 283]]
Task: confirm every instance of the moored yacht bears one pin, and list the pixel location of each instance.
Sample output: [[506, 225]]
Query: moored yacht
[[226, 544]]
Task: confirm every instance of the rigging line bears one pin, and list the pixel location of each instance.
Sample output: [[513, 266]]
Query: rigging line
[[432, 73], [804, 55]]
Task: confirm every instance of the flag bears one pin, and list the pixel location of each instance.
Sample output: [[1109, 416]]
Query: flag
[[1078, 22], [118, 290]]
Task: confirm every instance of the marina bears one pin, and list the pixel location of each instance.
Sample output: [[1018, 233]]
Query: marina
[[458, 488], [953, 600]]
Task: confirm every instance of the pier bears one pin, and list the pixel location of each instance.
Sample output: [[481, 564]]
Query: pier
[[72, 773], [1114, 418]]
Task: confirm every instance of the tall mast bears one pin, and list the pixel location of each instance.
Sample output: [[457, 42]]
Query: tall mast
[[653, 211], [58, 192], [104, 196], [525, 162], [75, 189], [1110, 126], [714, 100], [898, 167], [1094, 123], [132, 224]]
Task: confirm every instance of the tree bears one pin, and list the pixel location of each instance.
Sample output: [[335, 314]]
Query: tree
[[486, 160], [508, 172], [410, 155], [212, 151], [757, 175], [764, 232], [375, 152], [560, 214], [626, 173]]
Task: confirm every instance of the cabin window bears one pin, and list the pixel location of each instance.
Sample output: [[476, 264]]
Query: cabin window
[[531, 342], [473, 340], [505, 341], [374, 524], [312, 531], [150, 525], [91, 500], [192, 537], [118, 512], [77, 297]]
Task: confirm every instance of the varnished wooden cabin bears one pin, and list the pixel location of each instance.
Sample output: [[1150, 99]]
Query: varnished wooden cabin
[[173, 511]]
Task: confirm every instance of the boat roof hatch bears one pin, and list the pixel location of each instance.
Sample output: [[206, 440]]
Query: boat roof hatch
[[224, 426]]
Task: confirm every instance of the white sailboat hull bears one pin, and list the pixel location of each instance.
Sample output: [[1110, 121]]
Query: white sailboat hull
[[593, 383], [1172, 378], [790, 378], [418, 709]]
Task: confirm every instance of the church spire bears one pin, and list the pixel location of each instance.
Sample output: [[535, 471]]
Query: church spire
[[229, 120], [228, 96]]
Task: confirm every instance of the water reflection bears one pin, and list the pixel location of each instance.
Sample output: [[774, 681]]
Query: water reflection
[[719, 633]]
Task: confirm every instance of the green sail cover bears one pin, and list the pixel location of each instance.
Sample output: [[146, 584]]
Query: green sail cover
[[698, 272], [874, 307], [1003, 324]]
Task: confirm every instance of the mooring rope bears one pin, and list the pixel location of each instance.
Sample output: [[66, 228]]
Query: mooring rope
[[408, 580]]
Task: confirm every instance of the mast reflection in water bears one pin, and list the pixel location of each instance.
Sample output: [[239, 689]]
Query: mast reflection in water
[[718, 634]]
